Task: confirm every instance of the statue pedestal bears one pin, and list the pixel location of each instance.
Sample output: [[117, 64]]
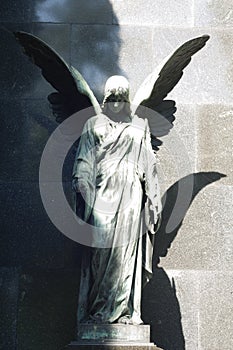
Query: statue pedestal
[[110, 346], [112, 337]]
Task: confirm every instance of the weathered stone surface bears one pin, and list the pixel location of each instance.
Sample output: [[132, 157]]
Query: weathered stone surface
[[72, 11], [215, 143], [135, 54], [177, 155], [13, 132], [47, 308], [186, 288], [216, 308], [213, 13], [14, 79], [95, 53], [154, 13], [38, 127], [26, 126], [8, 307], [204, 240], [16, 11], [27, 234]]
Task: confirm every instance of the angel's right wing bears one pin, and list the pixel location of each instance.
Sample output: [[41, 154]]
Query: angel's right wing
[[150, 98], [73, 94]]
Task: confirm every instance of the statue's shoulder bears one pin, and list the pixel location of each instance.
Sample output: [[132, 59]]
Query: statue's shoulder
[[92, 121], [139, 121]]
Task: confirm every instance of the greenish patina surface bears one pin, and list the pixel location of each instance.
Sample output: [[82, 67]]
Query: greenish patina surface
[[114, 163]]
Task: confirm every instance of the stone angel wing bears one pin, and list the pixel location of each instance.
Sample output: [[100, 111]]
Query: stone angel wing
[[150, 98], [73, 93]]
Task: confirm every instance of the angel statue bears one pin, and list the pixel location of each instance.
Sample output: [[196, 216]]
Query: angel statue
[[114, 175]]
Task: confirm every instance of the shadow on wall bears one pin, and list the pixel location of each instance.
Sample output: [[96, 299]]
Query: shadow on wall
[[95, 42], [82, 32], [44, 261], [26, 123], [160, 303]]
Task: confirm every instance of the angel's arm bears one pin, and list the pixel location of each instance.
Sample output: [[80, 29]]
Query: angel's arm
[[84, 175], [153, 205]]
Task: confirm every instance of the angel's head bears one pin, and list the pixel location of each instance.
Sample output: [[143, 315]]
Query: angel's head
[[116, 96]]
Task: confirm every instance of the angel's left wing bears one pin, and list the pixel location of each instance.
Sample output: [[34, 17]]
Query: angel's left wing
[[73, 93], [150, 98]]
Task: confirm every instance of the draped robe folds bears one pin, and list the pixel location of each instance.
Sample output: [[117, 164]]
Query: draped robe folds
[[115, 170]]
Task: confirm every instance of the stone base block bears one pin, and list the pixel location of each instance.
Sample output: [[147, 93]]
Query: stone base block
[[112, 337], [114, 332], [111, 346]]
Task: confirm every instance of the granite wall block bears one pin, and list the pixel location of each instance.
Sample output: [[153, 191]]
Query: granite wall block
[[215, 143], [95, 53], [15, 80], [16, 11], [153, 13], [72, 11], [27, 234], [47, 308], [213, 13], [202, 241], [215, 312], [9, 290]]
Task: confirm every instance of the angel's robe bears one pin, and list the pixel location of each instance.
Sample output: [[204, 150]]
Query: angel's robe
[[115, 170]]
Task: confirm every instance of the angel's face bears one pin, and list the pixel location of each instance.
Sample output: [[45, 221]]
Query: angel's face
[[116, 103]]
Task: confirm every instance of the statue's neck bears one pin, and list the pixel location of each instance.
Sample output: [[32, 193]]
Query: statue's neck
[[120, 117]]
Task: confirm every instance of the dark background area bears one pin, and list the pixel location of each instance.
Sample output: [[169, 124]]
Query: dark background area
[[39, 266]]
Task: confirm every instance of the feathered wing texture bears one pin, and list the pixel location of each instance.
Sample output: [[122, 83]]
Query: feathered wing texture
[[155, 88], [73, 94]]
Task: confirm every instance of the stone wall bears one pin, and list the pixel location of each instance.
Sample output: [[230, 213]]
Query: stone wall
[[189, 301]]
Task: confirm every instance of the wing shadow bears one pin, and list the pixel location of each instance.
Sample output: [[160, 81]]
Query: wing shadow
[[160, 304]]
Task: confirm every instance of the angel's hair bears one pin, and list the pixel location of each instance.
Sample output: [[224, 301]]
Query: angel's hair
[[116, 86]]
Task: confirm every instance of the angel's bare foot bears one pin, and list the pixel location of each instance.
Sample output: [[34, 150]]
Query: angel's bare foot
[[130, 320], [125, 320]]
